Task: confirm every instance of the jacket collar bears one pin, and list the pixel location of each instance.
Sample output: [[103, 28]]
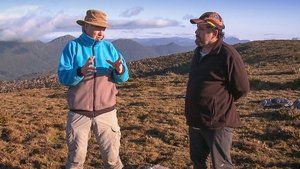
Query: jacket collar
[[216, 49], [87, 40]]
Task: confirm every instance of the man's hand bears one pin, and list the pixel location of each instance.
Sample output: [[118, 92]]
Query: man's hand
[[88, 66], [117, 64]]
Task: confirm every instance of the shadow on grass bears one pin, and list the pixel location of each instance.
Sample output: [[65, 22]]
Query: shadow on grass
[[132, 128], [281, 114], [239, 160], [246, 162], [127, 166], [284, 165], [257, 85], [7, 166], [275, 133], [294, 154], [272, 133]]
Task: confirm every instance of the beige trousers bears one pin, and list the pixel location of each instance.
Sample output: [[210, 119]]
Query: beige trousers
[[107, 131]]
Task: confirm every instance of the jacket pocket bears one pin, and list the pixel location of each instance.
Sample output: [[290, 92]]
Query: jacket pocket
[[80, 97], [207, 107], [106, 94]]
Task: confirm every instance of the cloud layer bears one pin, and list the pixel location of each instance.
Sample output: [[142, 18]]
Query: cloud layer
[[29, 23], [143, 23], [132, 12], [32, 24]]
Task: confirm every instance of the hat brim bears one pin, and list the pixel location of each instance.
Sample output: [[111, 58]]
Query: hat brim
[[196, 21], [82, 22]]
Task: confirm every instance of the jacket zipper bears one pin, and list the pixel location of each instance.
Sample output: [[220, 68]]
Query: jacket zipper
[[94, 87]]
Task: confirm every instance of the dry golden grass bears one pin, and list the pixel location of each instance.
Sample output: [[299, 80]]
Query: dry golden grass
[[151, 116]]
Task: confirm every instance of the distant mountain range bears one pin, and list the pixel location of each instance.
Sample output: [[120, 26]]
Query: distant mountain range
[[183, 41], [133, 50], [256, 55], [25, 60]]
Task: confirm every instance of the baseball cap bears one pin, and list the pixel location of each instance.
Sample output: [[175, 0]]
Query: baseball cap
[[212, 18]]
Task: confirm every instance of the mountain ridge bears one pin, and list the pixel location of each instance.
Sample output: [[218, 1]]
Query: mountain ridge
[[25, 60], [21, 60], [254, 54]]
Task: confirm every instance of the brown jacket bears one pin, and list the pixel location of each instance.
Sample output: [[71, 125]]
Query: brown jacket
[[215, 82]]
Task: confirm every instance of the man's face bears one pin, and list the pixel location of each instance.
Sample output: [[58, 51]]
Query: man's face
[[96, 32], [204, 35]]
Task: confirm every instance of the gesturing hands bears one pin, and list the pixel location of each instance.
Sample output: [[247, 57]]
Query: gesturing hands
[[88, 66], [117, 64]]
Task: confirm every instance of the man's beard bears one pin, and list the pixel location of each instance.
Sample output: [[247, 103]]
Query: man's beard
[[198, 42]]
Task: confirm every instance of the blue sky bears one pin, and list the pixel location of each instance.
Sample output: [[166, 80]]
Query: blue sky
[[28, 20]]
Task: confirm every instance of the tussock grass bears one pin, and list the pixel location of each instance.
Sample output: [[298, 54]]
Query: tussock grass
[[151, 116]]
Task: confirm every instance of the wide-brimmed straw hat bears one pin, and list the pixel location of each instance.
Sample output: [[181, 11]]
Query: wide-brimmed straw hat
[[94, 17]]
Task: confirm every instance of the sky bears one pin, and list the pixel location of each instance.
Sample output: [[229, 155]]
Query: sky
[[30, 20]]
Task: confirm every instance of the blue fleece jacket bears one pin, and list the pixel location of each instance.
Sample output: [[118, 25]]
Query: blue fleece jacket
[[77, 52]]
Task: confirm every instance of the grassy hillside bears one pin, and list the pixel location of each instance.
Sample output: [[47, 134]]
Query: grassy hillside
[[151, 105]]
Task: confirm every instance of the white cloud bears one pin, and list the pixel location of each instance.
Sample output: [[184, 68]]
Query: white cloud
[[16, 12], [132, 12], [32, 24], [175, 31], [188, 17], [29, 23], [143, 23]]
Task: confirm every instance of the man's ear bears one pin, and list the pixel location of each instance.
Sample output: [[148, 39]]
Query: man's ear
[[216, 32]]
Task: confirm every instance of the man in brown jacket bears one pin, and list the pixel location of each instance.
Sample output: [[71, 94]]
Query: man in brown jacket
[[217, 78]]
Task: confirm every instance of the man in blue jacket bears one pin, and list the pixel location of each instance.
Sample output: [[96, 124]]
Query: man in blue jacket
[[90, 67], [217, 78]]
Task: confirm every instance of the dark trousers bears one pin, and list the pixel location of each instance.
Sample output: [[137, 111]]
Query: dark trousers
[[216, 142]]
